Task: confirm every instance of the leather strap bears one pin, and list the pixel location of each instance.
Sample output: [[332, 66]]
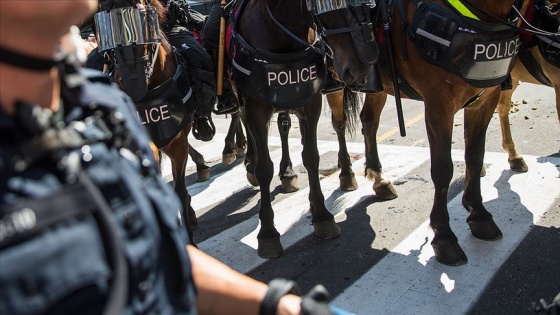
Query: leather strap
[[25, 61], [277, 288]]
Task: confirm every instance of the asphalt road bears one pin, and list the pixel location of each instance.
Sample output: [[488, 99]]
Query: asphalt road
[[383, 263]]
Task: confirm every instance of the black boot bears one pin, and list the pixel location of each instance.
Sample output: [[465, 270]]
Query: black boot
[[203, 128], [225, 103]]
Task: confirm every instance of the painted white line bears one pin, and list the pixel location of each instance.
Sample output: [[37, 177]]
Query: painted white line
[[221, 186], [237, 245], [410, 281], [407, 280]]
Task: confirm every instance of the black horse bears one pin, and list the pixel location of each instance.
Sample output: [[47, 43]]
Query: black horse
[[278, 64]]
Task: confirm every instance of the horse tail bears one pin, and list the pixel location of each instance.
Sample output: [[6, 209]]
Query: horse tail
[[351, 102]]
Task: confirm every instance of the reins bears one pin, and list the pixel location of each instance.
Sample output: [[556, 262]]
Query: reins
[[531, 30], [292, 35]]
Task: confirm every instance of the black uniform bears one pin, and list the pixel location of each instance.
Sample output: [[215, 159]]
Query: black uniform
[[210, 28], [87, 225], [211, 31]]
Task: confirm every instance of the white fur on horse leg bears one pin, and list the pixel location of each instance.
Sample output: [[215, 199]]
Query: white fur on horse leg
[[382, 187]]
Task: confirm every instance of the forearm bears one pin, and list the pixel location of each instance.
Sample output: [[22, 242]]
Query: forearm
[[222, 290]]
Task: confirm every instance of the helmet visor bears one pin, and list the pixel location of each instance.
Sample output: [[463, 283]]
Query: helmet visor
[[127, 26]]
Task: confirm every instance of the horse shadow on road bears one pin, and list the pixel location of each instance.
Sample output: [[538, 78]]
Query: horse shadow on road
[[531, 272]]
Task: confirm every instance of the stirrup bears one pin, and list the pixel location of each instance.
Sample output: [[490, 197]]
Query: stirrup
[[203, 128], [225, 107]]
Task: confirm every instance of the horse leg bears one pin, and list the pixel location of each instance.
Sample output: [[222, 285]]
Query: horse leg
[[477, 119], [516, 162], [240, 139], [370, 115], [347, 177], [323, 220], [288, 177], [257, 118], [439, 127], [250, 162], [177, 151], [202, 170], [229, 153]]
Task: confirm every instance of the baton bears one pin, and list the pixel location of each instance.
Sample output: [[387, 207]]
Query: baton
[[387, 33], [221, 51]]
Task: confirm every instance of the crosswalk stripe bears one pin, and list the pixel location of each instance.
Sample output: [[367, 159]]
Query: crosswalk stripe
[[425, 286], [408, 279]]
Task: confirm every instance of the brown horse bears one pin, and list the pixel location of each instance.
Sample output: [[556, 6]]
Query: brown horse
[[282, 39], [339, 102], [161, 67], [542, 72], [431, 65]]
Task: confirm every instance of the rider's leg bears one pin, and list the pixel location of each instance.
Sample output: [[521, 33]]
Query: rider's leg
[[211, 41], [203, 127]]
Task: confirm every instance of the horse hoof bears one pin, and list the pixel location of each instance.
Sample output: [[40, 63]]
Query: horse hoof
[[252, 179], [483, 171], [348, 183], [485, 230], [326, 229], [289, 184], [228, 158], [203, 175], [240, 151], [270, 247], [449, 253], [385, 191], [518, 165]]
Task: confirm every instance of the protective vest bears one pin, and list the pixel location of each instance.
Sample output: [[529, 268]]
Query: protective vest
[[285, 81], [87, 225]]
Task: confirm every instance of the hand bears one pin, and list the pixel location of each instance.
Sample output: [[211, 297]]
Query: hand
[[315, 302]]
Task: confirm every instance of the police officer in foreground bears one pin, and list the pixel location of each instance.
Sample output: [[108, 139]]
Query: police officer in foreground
[[87, 225]]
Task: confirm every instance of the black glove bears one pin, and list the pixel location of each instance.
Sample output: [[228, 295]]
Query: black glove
[[315, 302]]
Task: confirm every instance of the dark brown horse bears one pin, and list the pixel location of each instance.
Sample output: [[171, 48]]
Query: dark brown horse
[[154, 86], [235, 140], [532, 67], [279, 53], [431, 62], [345, 108]]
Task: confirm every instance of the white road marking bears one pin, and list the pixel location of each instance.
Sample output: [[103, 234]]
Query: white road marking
[[407, 280], [425, 286]]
